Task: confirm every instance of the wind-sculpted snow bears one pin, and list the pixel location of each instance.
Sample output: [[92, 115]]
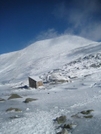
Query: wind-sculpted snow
[[41, 56], [70, 68], [81, 67]]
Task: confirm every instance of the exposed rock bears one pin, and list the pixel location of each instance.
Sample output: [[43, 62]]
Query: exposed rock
[[23, 87], [82, 113], [27, 100], [87, 111], [61, 119], [13, 109], [66, 127], [14, 96], [69, 126], [2, 100], [88, 116], [64, 131], [95, 65]]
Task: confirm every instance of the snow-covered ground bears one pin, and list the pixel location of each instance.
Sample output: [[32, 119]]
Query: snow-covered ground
[[74, 61]]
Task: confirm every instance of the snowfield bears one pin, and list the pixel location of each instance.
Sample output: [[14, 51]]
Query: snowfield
[[69, 102]]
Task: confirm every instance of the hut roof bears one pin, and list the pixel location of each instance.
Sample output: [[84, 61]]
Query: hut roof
[[36, 78]]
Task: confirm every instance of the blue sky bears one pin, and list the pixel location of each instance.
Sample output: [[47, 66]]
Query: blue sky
[[24, 21]]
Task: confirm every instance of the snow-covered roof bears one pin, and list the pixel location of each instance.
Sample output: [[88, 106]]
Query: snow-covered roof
[[35, 78]]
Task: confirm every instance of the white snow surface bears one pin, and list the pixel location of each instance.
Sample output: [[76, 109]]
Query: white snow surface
[[67, 57]]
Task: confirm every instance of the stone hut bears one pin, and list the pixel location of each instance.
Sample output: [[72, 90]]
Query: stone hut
[[35, 82]]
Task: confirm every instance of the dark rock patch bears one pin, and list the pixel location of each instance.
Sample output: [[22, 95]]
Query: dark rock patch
[[27, 100], [69, 126], [13, 109], [88, 116], [23, 87], [2, 100], [64, 131], [96, 65], [64, 126], [61, 119], [14, 96], [87, 111], [83, 114]]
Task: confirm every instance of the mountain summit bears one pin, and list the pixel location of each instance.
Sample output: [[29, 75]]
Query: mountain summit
[[43, 56]]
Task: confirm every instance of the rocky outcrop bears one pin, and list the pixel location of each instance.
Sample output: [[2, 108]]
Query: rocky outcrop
[[13, 109], [14, 96], [65, 126], [27, 100], [2, 100], [60, 119], [84, 114]]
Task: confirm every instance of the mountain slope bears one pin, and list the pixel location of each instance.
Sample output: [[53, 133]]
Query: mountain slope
[[78, 100], [42, 56]]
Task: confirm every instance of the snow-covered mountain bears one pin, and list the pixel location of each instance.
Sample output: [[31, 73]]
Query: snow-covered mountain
[[72, 107], [43, 56]]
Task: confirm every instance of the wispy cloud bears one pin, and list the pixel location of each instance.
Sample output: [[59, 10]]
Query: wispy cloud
[[82, 17], [92, 31], [50, 33]]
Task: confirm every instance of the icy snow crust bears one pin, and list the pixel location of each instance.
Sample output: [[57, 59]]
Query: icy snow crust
[[70, 58]]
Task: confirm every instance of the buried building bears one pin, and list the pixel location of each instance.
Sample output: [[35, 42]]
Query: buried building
[[35, 82]]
